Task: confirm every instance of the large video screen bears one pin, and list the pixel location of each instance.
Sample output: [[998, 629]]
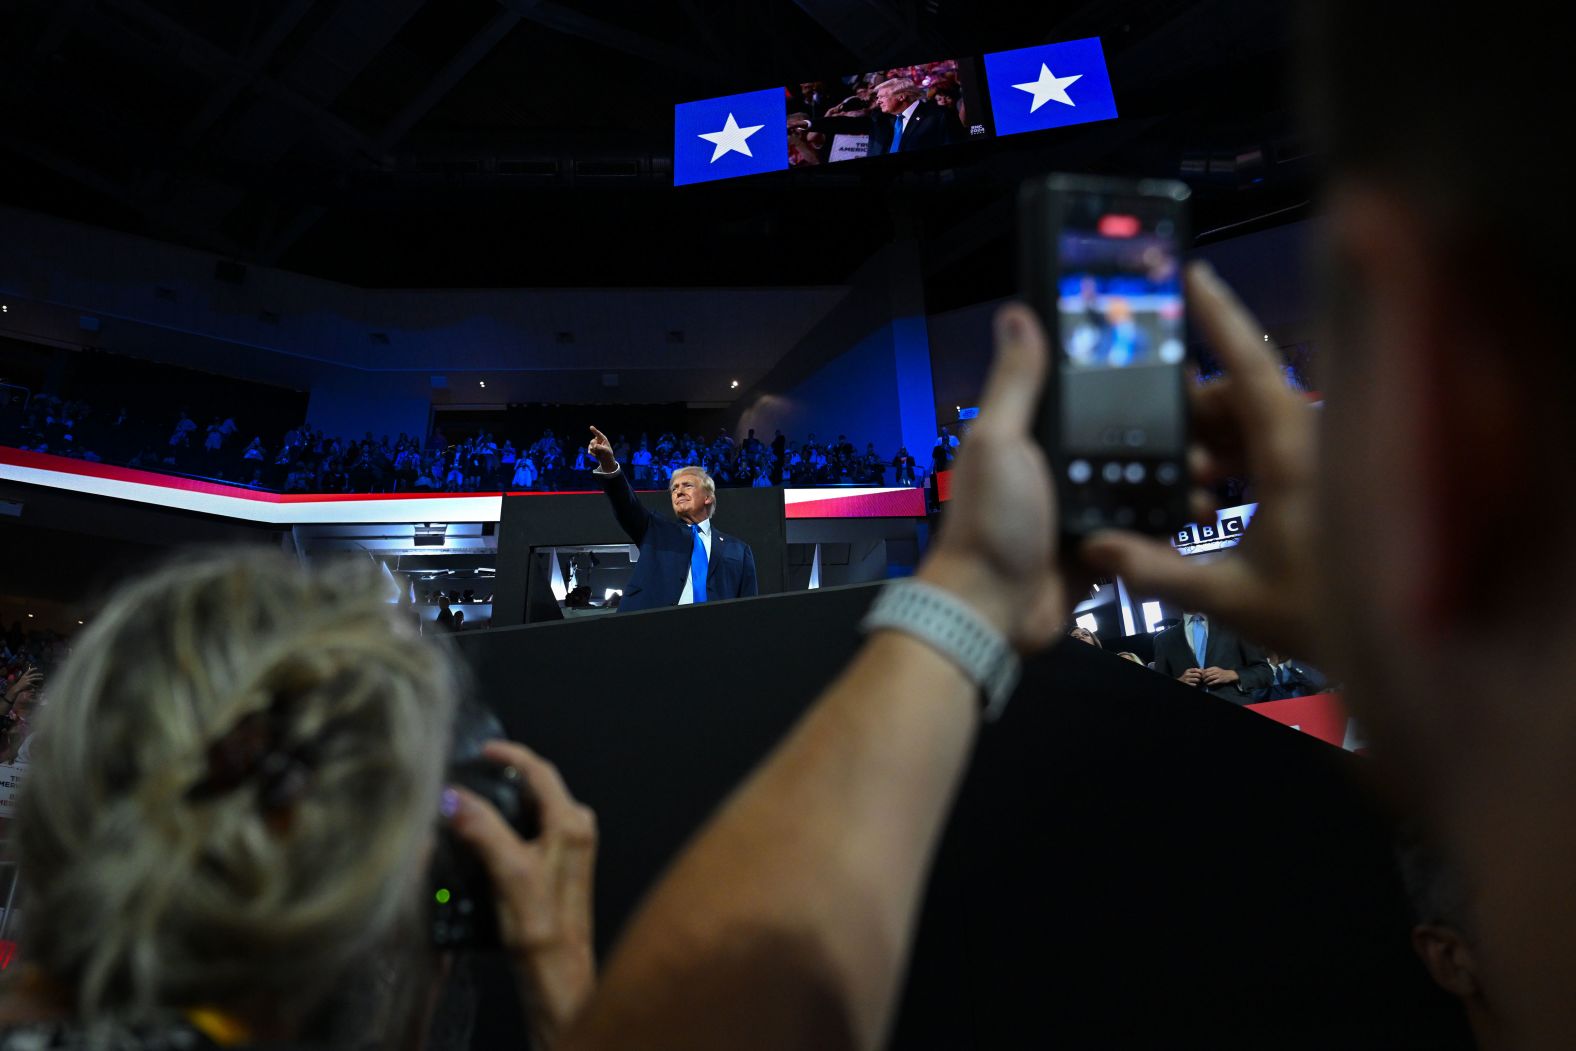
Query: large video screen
[[893, 111], [885, 111]]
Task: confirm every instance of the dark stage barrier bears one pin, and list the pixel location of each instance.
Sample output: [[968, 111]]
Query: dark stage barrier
[[531, 522], [1130, 864]]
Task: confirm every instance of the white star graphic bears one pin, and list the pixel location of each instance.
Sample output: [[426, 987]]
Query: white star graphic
[[1049, 87], [730, 139]]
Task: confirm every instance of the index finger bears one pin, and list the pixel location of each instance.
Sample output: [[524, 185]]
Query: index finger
[[1233, 335], [599, 434]]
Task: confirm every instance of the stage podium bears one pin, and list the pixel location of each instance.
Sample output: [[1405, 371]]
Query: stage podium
[[1129, 864]]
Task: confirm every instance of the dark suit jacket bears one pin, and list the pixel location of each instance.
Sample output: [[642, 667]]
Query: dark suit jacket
[[1304, 681], [1174, 655], [930, 126], [665, 547]]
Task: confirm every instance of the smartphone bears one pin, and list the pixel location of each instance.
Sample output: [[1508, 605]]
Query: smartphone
[[1101, 261]]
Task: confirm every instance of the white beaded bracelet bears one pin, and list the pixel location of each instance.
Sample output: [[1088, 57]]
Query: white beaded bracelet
[[948, 626]]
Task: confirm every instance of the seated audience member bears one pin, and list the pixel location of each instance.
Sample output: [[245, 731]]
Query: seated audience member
[[1445, 939], [1200, 652], [1084, 635], [1129, 655], [224, 832], [1289, 678], [524, 472]]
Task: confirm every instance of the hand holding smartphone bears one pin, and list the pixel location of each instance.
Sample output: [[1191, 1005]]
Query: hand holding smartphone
[[1101, 262]]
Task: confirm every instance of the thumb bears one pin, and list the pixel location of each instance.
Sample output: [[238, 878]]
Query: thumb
[[1154, 568]]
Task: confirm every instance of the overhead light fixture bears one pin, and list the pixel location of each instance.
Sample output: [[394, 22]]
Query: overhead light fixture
[[1088, 623], [481, 383], [734, 385], [4, 309], [30, 616]]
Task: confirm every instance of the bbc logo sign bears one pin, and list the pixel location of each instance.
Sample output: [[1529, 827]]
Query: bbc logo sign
[[1228, 529]]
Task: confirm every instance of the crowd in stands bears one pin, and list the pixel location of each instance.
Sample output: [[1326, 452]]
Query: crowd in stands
[[306, 460], [25, 657]]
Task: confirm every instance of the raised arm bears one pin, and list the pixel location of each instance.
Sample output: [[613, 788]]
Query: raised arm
[[787, 922], [632, 516]]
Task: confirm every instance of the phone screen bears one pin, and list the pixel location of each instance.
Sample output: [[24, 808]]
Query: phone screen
[[1120, 328]]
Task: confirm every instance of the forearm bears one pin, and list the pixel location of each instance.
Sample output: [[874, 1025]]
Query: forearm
[[626, 505], [786, 923]]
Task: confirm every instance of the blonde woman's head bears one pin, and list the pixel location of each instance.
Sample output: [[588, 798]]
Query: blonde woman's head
[[161, 872]]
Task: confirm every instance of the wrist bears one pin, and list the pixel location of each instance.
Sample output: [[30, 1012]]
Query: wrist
[[970, 582]]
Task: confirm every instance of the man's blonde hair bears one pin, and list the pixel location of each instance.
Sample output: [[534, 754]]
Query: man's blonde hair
[[145, 892], [706, 482], [900, 86]]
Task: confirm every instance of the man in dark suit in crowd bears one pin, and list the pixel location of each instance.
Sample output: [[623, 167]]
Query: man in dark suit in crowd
[[899, 120], [911, 121], [680, 562], [1289, 678], [1200, 652]]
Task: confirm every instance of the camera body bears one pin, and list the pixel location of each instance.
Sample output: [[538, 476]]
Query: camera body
[[462, 914]]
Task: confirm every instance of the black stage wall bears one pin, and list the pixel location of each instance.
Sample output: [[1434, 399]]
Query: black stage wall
[[1130, 864], [567, 519]]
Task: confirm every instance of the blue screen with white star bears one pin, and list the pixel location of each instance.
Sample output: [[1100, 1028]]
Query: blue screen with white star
[[1037, 88], [730, 136]]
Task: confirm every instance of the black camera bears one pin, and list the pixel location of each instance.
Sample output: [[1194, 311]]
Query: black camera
[[462, 914]]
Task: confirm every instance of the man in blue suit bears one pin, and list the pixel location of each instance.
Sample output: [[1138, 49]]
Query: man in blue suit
[[680, 562]]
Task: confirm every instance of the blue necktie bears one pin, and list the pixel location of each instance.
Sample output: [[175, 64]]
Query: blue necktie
[[897, 133], [697, 566], [1200, 639]]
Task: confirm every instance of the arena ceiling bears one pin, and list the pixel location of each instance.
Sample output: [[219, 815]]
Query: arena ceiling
[[448, 143]]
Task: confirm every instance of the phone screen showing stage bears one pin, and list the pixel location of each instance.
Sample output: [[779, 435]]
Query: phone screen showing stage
[[1120, 328]]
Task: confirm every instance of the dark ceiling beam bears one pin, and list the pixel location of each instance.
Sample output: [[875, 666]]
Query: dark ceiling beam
[[60, 25], [730, 58], [244, 74], [166, 224], [202, 56], [573, 23], [873, 40], [479, 47], [222, 98]]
